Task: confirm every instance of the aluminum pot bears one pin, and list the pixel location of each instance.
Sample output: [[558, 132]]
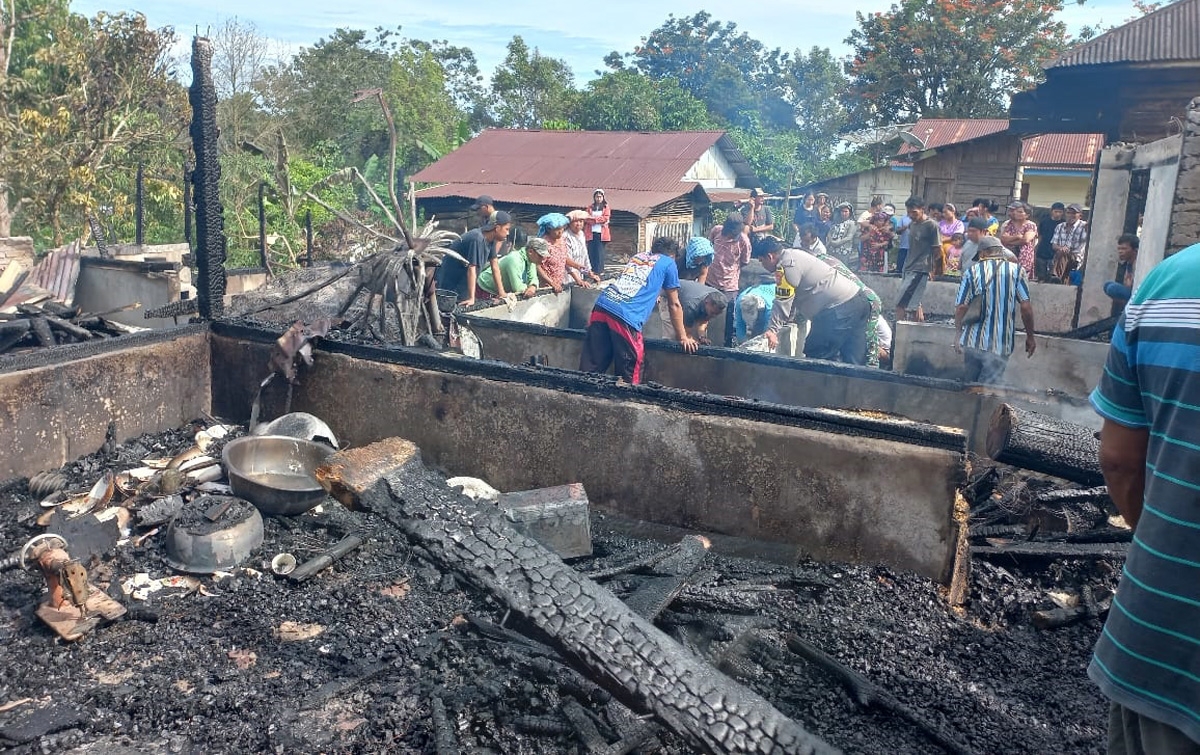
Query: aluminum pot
[[199, 546], [275, 472]]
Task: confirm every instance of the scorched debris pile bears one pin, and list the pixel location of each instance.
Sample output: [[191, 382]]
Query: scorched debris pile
[[427, 638]]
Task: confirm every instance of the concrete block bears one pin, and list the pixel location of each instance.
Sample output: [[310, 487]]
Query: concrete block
[[556, 517]]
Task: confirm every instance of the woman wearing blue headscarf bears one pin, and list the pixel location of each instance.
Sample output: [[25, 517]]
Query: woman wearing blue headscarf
[[697, 256], [553, 269]]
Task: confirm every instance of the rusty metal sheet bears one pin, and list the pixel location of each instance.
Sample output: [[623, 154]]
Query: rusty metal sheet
[[1169, 33], [1066, 150], [58, 272], [640, 203], [585, 160]]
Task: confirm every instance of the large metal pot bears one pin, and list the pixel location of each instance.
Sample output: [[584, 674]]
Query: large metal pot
[[198, 545], [275, 472]]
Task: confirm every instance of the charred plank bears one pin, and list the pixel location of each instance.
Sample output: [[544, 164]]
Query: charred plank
[[595, 631], [656, 593]]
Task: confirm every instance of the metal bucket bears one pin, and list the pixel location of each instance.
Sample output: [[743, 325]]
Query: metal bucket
[[447, 300]]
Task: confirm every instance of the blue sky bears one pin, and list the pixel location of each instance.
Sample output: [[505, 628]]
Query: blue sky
[[579, 33]]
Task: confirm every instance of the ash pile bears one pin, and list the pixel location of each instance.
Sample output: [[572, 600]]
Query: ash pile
[[395, 627]]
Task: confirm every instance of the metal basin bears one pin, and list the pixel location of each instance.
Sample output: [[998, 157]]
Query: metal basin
[[198, 545], [275, 472]]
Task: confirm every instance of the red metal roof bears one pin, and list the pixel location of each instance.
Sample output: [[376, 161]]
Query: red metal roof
[[1065, 150], [1169, 33], [639, 203], [942, 132], [521, 163]]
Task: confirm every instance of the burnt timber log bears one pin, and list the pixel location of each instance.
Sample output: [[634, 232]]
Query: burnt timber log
[[656, 593], [1045, 444], [595, 631]]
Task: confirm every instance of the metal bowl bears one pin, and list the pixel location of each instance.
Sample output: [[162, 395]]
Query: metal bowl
[[199, 546], [275, 472]]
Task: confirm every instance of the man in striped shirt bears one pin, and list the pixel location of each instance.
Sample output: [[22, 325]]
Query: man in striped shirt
[[988, 341], [1147, 661]]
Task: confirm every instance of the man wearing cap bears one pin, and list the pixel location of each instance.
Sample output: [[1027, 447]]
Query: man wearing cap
[[1070, 239], [484, 206], [518, 271], [478, 247], [807, 288], [757, 216], [987, 342], [1044, 254], [614, 332]]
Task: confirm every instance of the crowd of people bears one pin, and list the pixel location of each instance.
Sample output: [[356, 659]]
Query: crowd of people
[[762, 284], [878, 240]]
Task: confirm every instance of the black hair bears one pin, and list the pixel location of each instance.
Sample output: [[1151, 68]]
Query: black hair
[[981, 202], [665, 245], [718, 300], [766, 245], [1129, 238], [935, 206], [808, 228], [876, 201], [914, 203], [733, 225]]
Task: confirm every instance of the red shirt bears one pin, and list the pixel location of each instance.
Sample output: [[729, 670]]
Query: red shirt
[[728, 258]]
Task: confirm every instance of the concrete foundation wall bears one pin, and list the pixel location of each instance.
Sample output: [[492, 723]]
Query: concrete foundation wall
[[1064, 365], [549, 309], [58, 411], [1053, 304], [834, 496], [793, 382]]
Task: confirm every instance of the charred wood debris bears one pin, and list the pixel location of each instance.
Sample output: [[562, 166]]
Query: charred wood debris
[[391, 650], [49, 323]]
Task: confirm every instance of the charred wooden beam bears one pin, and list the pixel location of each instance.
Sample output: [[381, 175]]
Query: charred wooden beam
[[59, 324], [41, 331], [656, 593], [12, 332], [595, 631], [206, 184], [1045, 444], [1037, 551], [444, 740]]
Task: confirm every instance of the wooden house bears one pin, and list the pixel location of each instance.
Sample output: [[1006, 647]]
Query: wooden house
[[657, 184]]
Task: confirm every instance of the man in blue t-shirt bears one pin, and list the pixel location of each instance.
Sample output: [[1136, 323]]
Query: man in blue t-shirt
[[478, 247], [614, 333], [1147, 661]]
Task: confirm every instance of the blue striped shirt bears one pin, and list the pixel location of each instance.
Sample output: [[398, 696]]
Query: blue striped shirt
[[1003, 286], [1148, 657]]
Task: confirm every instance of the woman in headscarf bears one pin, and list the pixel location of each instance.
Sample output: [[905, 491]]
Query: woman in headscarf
[[842, 241], [696, 257], [597, 232], [554, 269], [577, 252]]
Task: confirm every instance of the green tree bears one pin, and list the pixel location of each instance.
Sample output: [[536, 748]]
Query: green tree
[[734, 75], [530, 89], [950, 58], [94, 98], [626, 100]]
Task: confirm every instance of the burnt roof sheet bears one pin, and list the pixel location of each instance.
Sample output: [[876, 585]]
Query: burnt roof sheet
[[1171, 33]]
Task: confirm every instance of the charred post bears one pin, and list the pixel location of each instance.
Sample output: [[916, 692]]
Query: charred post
[[139, 210], [206, 184], [1045, 444]]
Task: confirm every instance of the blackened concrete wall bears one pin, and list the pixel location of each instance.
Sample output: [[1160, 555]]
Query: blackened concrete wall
[[792, 382], [834, 491], [55, 404]]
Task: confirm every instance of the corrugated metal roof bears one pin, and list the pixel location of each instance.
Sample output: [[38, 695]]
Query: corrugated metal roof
[[587, 160], [637, 202], [58, 272], [1067, 150], [942, 132], [1169, 33]]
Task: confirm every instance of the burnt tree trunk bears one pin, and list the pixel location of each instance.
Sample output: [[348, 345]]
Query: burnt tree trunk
[[1045, 444], [596, 632]]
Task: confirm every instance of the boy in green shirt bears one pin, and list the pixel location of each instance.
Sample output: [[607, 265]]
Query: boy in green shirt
[[518, 270]]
